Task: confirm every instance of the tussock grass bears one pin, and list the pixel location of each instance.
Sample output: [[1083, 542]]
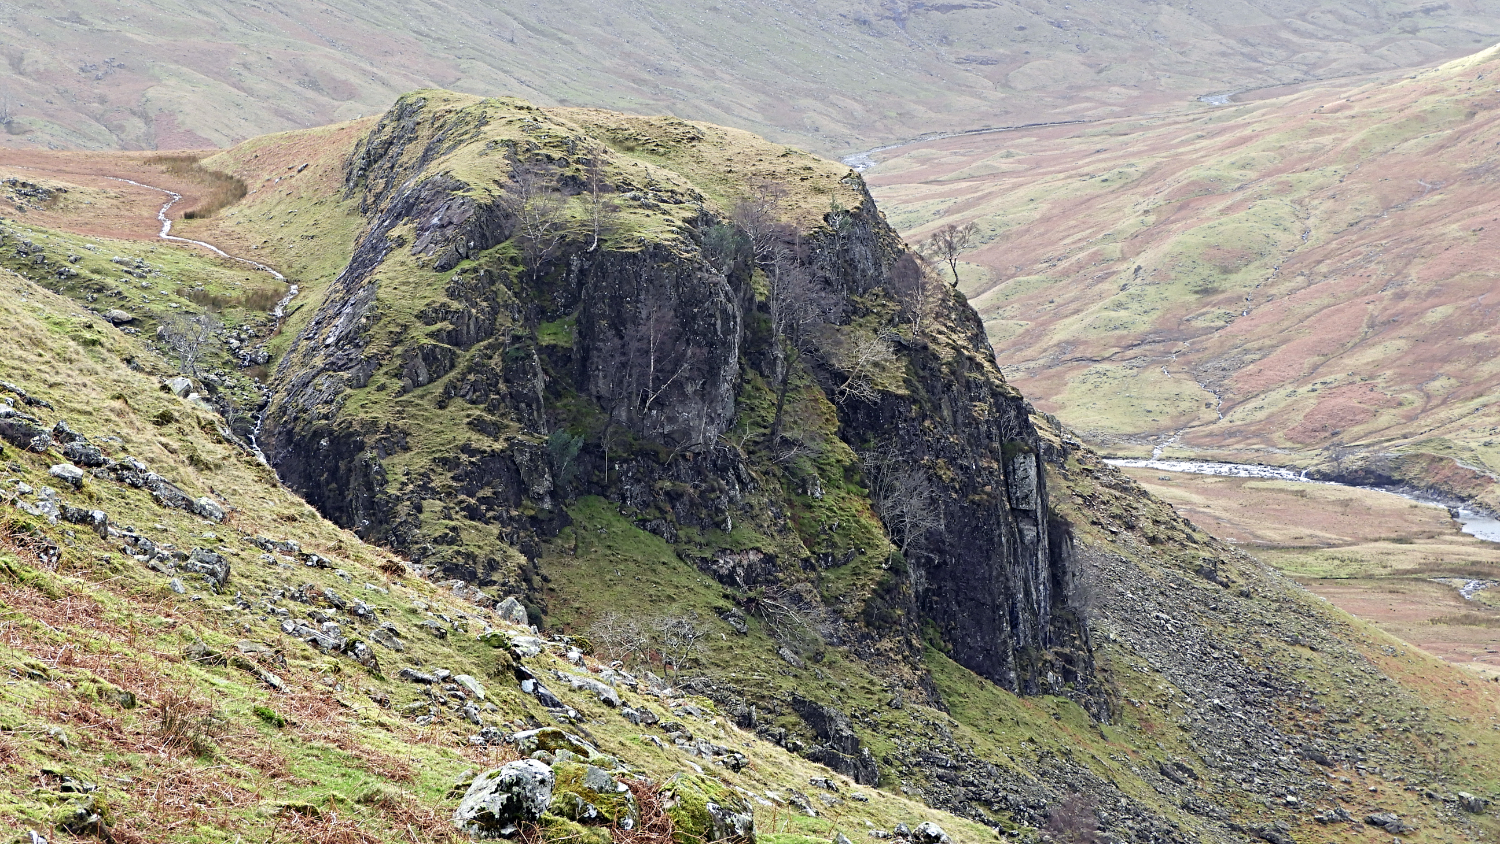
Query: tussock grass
[[223, 190]]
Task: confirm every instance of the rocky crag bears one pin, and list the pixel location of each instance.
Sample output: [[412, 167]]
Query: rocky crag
[[637, 367]]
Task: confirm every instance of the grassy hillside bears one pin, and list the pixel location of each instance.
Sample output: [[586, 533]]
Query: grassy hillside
[[834, 77], [1301, 280], [1235, 704]]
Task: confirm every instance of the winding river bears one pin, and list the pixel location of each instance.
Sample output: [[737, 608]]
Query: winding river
[[1475, 523]]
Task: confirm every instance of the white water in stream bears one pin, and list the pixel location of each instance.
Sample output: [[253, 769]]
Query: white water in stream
[[277, 313], [1482, 525]]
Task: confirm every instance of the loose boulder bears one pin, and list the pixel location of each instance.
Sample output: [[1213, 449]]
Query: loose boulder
[[67, 473], [84, 454], [551, 739], [212, 566], [209, 509], [500, 800], [587, 794]]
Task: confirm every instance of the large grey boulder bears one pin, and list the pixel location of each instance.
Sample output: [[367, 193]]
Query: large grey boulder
[[208, 564], [929, 833], [84, 454], [499, 801], [512, 611]]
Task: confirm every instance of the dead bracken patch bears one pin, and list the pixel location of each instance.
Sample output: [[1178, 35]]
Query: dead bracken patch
[[221, 189], [317, 826]]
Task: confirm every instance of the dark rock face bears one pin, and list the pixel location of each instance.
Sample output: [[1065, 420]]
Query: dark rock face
[[649, 347], [841, 749]]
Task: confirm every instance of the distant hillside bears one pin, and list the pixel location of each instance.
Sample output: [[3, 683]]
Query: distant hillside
[[1306, 280], [831, 76]]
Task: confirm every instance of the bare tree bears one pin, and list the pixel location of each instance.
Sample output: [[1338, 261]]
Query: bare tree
[[860, 354], [655, 355], [786, 616], [618, 637], [190, 338], [903, 497], [538, 206], [798, 305], [651, 355], [680, 638], [915, 290], [758, 215], [950, 242], [603, 210]]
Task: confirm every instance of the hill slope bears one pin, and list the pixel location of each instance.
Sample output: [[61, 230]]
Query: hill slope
[[830, 76], [1188, 691], [1303, 280]]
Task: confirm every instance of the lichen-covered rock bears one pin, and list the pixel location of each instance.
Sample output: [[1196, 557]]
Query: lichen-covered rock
[[208, 509], [929, 833], [840, 748], [212, 566], [84, 454], [85, 815], [512, 611], [704, 809], [25, 434], [499, 801]]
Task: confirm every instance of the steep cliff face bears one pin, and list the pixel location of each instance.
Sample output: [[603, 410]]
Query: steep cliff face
[[550, 308]]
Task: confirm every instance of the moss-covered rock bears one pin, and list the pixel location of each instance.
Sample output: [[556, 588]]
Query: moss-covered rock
[[551, 740], [589, 795], [704, 809], [84, 815]]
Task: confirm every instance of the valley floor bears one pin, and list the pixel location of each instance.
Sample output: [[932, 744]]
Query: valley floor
[[1398, 563]]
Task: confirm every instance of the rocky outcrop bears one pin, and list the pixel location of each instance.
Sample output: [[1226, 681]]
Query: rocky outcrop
[[618, 366]]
